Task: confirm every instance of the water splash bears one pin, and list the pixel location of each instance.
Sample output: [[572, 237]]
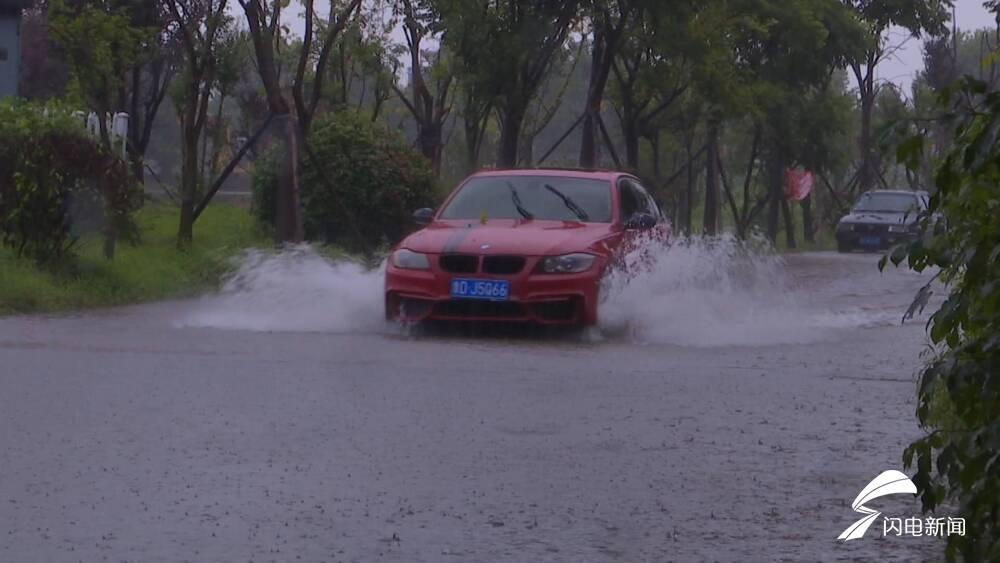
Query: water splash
[[294, 290], [719, 292], [698, 292]]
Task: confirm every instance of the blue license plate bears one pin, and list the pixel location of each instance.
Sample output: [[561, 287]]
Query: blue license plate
[[493, 290], [871, 241]]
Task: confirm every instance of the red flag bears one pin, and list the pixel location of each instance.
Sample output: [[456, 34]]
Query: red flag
[[798, 184]]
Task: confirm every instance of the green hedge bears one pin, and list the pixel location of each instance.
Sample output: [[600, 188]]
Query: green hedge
[[49, 167], [362, 188]]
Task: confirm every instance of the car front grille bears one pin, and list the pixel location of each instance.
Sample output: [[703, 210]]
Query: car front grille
[[869, 228], [470, 264], [459, 263], [503, 264], [480, 309]]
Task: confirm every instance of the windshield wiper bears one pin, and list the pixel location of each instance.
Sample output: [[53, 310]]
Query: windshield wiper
[[518, 204], [572, 205]]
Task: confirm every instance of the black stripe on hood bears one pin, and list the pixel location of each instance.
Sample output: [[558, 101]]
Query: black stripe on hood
[[456, 239]]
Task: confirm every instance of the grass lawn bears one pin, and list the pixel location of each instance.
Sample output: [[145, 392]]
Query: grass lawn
[[154, 269]]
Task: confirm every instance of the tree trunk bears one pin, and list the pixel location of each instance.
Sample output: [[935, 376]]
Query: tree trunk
[[588, 144], [776, 176], [630, 130], [430, 144], [527, 148], [138, 167], [471, 151], [288, 223], [606, 40], [474, 128], [592, 105], [687, 201], [288, 219], [808, 224], [189, 179], [710, 225], [786, 211], [135, 158], [866, 176], [654, 141], [219, 139], [510, 133]]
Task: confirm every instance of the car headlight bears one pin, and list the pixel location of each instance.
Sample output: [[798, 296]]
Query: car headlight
[[410, 260], [566, 264], [898, 228], [845, 226]]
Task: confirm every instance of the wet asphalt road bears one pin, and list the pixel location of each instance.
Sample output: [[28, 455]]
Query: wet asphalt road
[[123, 438]]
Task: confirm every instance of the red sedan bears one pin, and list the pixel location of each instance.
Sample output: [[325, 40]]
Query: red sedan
[[520, 245]]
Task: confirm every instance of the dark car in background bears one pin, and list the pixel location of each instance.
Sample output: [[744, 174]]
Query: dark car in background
[[881, 219]]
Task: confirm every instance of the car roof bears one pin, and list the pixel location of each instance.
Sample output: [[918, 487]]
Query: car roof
[[595, 174]]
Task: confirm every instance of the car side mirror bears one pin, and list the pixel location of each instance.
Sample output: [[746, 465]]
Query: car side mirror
[[640, 221], [423, 216]]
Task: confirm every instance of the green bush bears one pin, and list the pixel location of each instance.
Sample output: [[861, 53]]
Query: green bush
[[49, 166], [959, 395], [360, 190]]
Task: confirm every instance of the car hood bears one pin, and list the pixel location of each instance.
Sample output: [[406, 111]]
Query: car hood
[[880, 218], [504, 236]]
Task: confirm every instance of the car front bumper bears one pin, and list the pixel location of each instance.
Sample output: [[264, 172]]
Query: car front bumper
[[547, 299], [874, 241]]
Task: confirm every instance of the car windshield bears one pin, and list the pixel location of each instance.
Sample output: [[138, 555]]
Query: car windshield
[[539, 197], [887, 203]]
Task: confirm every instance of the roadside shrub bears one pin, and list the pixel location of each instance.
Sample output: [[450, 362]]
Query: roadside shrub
[[959, 395], [49, 167], [360, 190]]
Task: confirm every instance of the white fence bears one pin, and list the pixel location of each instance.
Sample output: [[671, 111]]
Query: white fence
[[117, 125]]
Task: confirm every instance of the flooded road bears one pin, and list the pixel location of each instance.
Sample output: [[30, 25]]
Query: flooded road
[[160, 433]]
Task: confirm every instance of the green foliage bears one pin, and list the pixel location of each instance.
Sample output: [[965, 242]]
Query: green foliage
[[100, 44], [48, 166], [527, 32], [959, 393], [361, 188], [915, 16], [151, 270]]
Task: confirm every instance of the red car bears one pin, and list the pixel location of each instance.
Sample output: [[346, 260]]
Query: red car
[[520, 245]]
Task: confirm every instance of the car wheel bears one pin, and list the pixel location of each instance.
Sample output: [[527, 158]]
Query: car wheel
[[843, 247]]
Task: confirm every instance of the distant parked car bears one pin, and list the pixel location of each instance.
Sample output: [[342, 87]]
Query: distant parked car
[[880, 219]]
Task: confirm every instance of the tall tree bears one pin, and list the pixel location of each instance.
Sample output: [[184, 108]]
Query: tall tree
[[264, 22], [794, 46], [317, 64], [476, 107], [916, 16], [201, 26], [150, 77], [528, 33], [607, 21], [429, 107], [550, 99]]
